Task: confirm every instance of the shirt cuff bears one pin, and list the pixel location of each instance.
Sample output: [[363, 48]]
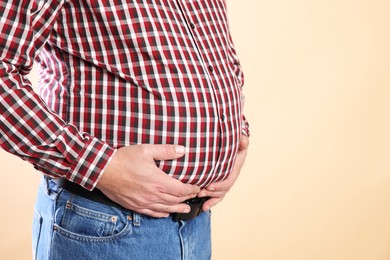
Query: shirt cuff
[[92, 160], [245, 127]]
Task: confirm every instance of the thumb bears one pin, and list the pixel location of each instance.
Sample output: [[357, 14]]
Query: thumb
[[166, 151]]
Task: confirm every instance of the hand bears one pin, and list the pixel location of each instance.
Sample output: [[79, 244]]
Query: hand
[[217, 191], [133, 180]]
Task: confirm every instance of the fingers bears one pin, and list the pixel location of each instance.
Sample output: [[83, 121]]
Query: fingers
[[211, 203], [176, 188], [244, 142], [216, 193], [163, 151], [154, 214], [133, 180], [225, 185], [161, 210], [166, 200], [218, 190], [151, 205]]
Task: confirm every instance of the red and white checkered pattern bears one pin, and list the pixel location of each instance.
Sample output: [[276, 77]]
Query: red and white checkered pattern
[[115, 73]]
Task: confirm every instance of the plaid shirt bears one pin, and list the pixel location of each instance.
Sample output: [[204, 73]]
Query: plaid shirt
[[116, 73]]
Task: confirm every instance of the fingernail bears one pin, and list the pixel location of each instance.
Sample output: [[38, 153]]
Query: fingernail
[[211, 188], [180, 150], [187, 210], [202, 194]]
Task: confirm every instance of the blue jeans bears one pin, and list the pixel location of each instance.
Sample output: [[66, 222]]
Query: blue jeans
[[67, 227]]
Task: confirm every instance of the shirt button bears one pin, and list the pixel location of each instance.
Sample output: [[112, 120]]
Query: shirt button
[[211, 69], [192, 25]]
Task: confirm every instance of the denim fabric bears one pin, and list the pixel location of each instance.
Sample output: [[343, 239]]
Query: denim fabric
[[67, 226]]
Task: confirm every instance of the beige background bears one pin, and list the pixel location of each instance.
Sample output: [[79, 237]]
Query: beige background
[[317, 180]]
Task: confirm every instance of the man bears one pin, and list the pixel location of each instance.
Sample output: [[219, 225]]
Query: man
[[137, 127]]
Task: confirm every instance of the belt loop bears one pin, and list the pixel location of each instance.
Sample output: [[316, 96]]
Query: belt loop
[[45, 181], [50, 187], [136, 219]]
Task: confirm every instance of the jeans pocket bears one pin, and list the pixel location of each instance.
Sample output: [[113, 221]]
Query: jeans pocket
[[79, 218]]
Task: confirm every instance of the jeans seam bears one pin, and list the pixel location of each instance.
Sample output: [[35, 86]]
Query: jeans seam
[[71, 235], [40, 219]]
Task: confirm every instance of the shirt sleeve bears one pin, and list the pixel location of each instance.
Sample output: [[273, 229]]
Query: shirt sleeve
[[28, 128]]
